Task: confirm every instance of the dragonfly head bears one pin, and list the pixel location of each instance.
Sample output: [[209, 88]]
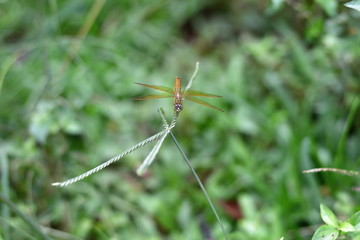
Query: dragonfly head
[[178, 107]]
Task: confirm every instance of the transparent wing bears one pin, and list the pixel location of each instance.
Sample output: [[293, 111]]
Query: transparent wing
[[152, 96], [199, 94], [158, 87], [195, 100]]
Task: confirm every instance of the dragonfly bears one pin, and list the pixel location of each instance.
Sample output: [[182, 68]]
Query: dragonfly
[[178, 95]]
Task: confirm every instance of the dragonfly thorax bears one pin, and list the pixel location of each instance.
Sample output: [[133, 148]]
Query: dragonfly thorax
[[178, 98], [178, 107]]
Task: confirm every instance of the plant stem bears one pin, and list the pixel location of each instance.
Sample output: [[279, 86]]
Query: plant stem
[[28, 220], [5, 212], [200, 184], [193, 76], [341, 146]]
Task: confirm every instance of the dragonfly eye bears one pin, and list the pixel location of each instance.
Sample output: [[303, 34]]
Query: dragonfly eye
[[178, 107]]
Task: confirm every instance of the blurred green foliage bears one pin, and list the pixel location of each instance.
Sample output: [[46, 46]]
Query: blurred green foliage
[[333, 227], [289, 74]]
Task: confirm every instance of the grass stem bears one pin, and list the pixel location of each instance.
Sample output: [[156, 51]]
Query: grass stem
[[340, 155], [200, 184], [5, 213], [35, 226]]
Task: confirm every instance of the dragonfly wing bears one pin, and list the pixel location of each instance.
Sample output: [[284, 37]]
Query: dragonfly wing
[[152, 96], [158, 87], [199, 94], [195, 100]]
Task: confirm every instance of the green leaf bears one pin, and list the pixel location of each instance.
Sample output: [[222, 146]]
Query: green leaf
[[315, 28], [353, 235], [346, 227], [328, 216], [355, 220], [325, 232], [355, 4]]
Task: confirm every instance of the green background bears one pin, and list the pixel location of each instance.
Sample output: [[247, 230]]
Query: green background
[[288, 72]]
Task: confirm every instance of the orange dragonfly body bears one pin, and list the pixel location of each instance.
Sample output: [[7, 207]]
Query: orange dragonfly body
[[178, 95]]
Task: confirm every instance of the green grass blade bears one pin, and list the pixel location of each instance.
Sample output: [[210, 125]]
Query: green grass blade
[[150, 157], [5, 68], [342, 143], [34, 225], [5, 213], [193, 77]]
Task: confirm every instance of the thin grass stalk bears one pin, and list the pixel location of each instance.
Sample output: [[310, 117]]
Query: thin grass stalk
[[35, 226], [21, 233], [5, 213], [85, 28], [150, 157], [54, 13], [193, 77], [163, 119], [200, 184], [47, 72], [82, 33], [341, 147], [58, 234], [5, 67]]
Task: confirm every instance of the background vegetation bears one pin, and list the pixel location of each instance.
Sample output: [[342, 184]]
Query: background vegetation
[[289, 74]]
